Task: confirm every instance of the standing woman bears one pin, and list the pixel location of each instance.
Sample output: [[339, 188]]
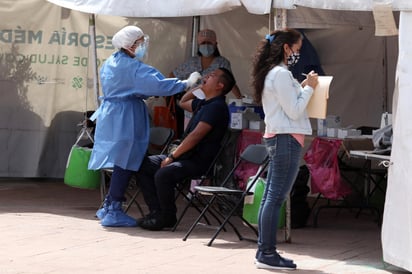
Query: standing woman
[[284, 103]]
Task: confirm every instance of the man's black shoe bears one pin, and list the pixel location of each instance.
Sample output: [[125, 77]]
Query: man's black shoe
[[148, 216], [158, 222]]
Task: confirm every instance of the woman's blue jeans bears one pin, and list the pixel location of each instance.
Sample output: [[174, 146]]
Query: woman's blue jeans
[[284, 156]]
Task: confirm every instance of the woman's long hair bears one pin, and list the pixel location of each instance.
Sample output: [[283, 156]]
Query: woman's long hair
[[270, 53]]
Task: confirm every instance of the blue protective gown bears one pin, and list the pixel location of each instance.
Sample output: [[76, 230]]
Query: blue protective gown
[[122, 126]]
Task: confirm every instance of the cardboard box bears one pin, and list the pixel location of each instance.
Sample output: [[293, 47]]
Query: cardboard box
[[333, 121], [257, 125], [332, 132], [256, 109], [247, 101], [238, 121], [321, 127], [348, 132]]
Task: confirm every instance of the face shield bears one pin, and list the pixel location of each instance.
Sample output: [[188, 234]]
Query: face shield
[[142, 50]]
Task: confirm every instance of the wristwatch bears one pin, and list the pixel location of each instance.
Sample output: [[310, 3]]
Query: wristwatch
[[170, 155]]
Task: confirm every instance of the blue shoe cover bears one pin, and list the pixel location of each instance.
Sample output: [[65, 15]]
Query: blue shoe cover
[[115, 217], [101, 212]]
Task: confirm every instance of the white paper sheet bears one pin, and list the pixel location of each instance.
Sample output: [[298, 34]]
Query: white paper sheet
[[318, 103]]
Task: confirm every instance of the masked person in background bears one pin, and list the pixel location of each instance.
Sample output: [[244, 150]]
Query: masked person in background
[[122, 126], [208, 59], [284, 103]]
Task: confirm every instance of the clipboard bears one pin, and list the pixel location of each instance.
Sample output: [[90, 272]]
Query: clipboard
[[318, 103]]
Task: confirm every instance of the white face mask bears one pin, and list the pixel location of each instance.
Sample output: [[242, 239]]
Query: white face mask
[[207, 49]]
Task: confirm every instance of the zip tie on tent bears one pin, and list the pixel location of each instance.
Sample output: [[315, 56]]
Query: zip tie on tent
[[385, 163]]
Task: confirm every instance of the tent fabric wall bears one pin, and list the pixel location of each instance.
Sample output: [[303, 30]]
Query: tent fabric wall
[[397, 219], [238, 33], [362, 64], [32, 87], [42, 101], [362, 87]]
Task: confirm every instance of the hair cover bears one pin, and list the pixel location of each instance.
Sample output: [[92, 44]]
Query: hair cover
[[206, 35], [126, 37]]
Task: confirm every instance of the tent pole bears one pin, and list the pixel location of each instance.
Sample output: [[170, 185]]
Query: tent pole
[[385, 76], [195, 30], [280, 19], [92, 33], [280, 22]]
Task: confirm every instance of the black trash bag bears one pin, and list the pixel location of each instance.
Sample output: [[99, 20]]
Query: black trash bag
[[299, 205]]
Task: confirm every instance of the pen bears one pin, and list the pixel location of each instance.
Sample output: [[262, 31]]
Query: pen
[[304, 74]]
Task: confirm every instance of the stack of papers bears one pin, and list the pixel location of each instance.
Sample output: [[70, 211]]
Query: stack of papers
[[318, 103]]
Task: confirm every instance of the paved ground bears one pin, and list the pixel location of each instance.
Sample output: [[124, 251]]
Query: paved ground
[[48, 227]]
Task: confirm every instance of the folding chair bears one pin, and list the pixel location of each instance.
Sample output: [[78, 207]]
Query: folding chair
[[183, 189], [231, 198], [159, 139]]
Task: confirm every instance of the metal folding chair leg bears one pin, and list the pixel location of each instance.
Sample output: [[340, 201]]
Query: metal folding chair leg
[[133, 200], [227, 221], [191, 202], [230, 199], [222, 222]]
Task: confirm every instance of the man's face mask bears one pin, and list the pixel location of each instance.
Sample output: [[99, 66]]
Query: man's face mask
[[293, 59], [207, 49]]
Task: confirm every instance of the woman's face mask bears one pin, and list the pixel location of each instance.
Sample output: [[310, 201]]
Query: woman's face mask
[[141, 50], [293, 59], [206, 49]]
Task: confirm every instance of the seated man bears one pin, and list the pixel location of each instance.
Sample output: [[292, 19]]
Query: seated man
[[159, 174]]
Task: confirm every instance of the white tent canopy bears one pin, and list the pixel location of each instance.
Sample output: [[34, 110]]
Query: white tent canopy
[[161, 8], [153, 8], [359, 5]]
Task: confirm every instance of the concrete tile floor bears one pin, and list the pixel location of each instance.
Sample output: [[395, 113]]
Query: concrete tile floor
[[48, 227]]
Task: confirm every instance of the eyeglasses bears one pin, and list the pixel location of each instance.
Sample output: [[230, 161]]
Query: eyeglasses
[[141, 40]]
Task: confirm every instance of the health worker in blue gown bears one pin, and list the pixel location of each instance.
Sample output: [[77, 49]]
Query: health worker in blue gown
[[122, 126]]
